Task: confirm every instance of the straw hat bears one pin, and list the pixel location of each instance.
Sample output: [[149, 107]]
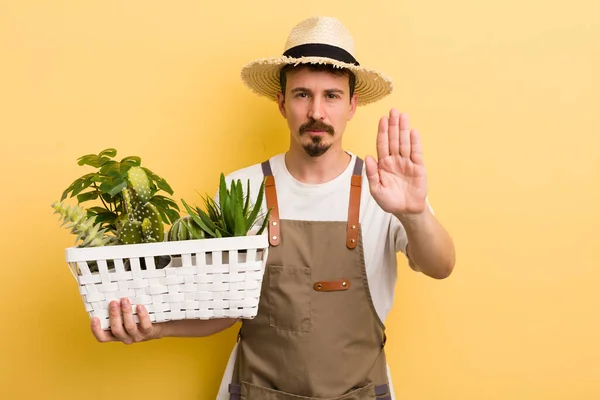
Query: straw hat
[[316, 40]]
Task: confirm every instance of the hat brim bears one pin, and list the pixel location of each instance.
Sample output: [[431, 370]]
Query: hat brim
[[262, 77]]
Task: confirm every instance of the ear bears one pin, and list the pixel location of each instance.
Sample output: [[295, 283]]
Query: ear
[[353, 102], [281, 104]]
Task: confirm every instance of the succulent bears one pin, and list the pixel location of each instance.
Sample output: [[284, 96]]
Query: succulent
[[89, 233], [233, 215], [141, 222]]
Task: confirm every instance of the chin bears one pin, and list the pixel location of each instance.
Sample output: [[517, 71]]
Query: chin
[[316, 151]]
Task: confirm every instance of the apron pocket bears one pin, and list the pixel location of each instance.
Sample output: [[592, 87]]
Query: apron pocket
[[289, 297], [253, 392]]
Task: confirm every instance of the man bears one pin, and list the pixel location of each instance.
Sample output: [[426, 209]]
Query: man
[[331, 271]]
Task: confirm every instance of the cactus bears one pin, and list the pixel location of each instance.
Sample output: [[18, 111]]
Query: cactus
[[87, 231], [185, 229], [141, 222]]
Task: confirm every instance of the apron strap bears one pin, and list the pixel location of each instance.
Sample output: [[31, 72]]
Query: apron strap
[[271, 196], [235, 392], [354, 205]]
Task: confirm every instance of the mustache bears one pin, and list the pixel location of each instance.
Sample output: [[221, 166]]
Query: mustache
[[314, 125]]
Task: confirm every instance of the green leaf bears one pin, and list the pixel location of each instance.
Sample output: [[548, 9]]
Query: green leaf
[[83, 178], [124, 169], [257, 206], [79, 187], [160, 182], [108, 198], [247, 203], [197, 219], [118, 186], [206, 220], [89, 159], [223, 192], [163, 201], [212, 209], [93, 160], [228, 214], [108, 152], [98, 210], [193, 232], [107, 220], [109, 167], [93, 195], [172, 216], [265, 222], [134, 161], [240, 194], [240, 222]]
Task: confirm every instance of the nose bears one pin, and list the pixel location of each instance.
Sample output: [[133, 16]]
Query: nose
[[315, 110]]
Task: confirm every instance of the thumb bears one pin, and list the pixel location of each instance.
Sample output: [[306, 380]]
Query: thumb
[[372, 172]]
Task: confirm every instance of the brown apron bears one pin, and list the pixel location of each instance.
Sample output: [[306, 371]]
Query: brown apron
[[317, 334]]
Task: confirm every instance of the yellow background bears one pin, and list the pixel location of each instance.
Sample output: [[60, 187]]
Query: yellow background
[[505, 94]]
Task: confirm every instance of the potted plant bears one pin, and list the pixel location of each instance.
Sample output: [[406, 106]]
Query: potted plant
[[125, 206], [231, 214]]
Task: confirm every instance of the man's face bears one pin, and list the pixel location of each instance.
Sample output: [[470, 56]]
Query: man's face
[[317, 107]]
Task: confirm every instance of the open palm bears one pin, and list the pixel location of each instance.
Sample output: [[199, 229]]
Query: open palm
[[397, 179]]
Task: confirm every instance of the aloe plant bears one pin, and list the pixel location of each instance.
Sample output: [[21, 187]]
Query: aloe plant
[[233, 215]]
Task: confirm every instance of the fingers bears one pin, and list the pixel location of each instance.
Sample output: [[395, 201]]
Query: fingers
[[383, 140], [405, 145], [372, 173], [129, 323], [416, 154], [100, 334], [145, 326], [116, 322], [123, 326], [394, 137], [394, 132]]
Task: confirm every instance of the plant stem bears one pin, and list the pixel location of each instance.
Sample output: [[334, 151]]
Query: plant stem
[[101, 199]]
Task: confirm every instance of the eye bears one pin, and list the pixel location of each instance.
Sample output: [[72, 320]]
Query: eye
[[301, 94], [332, 96]]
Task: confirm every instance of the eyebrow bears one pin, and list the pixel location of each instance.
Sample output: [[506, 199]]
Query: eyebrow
[[327, 91]]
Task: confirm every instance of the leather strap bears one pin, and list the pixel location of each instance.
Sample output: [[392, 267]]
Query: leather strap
[[381, 390], [235, 392], [271, 197], [332, 286], [354, 205]]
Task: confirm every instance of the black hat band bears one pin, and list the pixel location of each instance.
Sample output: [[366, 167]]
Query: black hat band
[[321, 50]]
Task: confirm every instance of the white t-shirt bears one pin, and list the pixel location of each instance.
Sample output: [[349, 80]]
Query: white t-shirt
[[383, 235]]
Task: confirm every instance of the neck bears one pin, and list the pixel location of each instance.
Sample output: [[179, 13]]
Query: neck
[[316, 170]]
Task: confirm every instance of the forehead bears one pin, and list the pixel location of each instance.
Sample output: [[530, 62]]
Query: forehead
[[305, 77]]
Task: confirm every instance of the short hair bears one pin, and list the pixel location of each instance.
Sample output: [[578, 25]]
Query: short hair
[[318, 67]]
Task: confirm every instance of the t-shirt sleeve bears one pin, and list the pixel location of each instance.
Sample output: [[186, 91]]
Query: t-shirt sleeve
[[398, 235]]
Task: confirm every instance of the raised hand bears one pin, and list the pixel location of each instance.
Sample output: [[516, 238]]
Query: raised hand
[[397, 179]]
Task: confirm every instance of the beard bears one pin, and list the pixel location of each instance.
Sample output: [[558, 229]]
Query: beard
[[316, 147]]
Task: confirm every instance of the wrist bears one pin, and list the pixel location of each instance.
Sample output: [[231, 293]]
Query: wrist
[[410, 220], [160, 330]]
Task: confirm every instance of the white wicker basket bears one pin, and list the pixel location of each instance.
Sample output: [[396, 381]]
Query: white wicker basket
[[205, 279]]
